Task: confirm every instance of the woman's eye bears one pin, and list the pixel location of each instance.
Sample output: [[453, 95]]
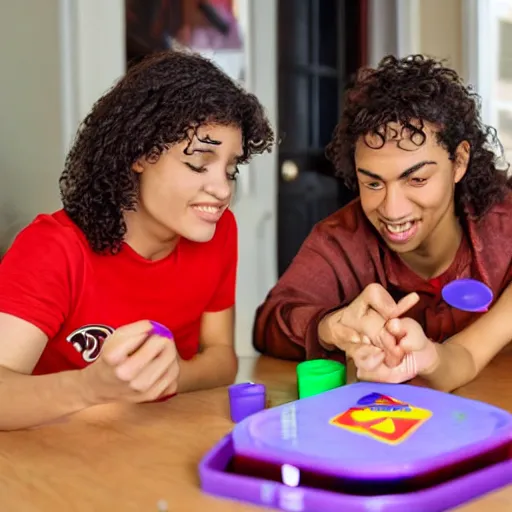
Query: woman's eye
[[231, 174], [194, 168], [374, 185], [418, 181]]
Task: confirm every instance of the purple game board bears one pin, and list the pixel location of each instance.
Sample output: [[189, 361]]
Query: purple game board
[[365, 440], [428, 431]]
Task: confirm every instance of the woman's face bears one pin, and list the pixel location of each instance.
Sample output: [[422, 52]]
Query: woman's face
[[187, 189]]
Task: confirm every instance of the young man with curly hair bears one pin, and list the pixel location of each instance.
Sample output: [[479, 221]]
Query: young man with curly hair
[[433, 206], [145, 245]]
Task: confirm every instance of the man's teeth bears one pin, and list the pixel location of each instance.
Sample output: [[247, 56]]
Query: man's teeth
[[399, 228], [208, 209]]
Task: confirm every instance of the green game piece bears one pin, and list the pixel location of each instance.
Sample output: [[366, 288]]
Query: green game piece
[[319, 375]]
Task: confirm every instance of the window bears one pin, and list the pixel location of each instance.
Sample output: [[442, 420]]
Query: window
[[488, 56], [504, 74]]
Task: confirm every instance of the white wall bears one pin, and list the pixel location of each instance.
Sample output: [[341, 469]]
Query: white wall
[[382, 30], [430, 27], [30, 110], [97, 49], [441, 30], [57, 57], [256, 205]]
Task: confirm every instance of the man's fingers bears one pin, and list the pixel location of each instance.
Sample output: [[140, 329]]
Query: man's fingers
[[374, 332], [367, 323], [409, 334], [376, 297], [406, 303], [393, 352], [393, 359], [344, 336], [396, 328], [371, 324], [386, 341], [396, 332], [368, 357]]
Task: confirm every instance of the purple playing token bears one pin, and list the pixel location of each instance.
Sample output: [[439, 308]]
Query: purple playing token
[[246, 399], [468, 295], [161, 330]]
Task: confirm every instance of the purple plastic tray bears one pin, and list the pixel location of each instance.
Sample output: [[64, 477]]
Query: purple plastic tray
[[216, 481], [367, 465], [316, 432]]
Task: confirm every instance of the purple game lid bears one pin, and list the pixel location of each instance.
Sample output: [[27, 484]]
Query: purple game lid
[[373, 431], [468, 295]]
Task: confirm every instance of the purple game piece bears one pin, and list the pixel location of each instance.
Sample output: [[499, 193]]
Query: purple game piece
[[468, 295], [246, 399], [369, 446], [160, 330]]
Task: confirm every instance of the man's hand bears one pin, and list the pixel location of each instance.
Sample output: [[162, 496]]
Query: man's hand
[[420, 354], [135, 366], [363, 322]]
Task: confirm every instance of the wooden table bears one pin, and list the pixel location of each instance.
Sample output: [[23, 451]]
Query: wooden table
[[127, 458]]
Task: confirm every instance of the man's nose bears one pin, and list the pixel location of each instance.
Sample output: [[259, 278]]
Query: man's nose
[[395, 206]]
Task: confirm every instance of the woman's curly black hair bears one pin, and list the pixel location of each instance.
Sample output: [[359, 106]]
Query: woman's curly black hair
[[153, 106], [419, 89]]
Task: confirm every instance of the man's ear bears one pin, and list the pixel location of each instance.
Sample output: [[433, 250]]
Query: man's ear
[[138, 166], [461, 162]]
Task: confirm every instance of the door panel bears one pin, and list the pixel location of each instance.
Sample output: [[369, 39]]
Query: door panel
[[319, 49]]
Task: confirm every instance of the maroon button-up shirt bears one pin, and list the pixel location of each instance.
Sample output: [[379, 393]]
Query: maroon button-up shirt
[[343, 255]]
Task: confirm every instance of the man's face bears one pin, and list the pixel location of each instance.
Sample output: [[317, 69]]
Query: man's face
[[407, 191]]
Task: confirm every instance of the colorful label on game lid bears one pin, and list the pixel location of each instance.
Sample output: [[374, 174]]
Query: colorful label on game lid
[[383, 418]]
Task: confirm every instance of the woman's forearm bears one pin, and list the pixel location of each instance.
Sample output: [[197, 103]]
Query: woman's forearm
[[29, 401], [214, 367], [453, 368]]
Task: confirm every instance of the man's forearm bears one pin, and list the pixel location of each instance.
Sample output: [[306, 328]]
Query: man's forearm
[[289, 331], [454, 368], [29, 401], [214, 367]]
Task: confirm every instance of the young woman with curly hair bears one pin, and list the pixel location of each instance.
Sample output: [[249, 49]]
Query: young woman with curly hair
[[433, 206], [144, 246]]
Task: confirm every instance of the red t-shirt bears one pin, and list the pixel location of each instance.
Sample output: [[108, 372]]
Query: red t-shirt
[[51, 278]]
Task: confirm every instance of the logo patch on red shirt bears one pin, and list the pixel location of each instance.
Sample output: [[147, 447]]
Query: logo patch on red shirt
[[88, 340]]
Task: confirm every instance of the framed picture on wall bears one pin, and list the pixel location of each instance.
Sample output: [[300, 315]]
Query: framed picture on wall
[[210, 27]]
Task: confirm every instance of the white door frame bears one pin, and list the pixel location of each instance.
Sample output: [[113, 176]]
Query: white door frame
[[393, 28], [256, 203], [480, 53], [93, 56]]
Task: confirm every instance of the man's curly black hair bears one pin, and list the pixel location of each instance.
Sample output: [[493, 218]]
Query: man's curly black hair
[[413, 90], [154, 105]]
